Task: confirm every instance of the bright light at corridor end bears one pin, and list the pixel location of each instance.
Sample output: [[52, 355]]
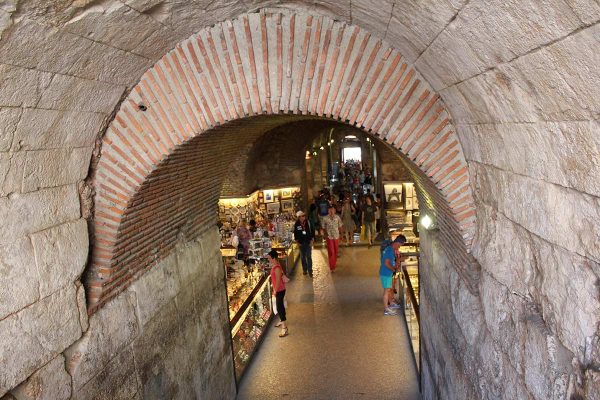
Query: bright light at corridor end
[[426, 222]]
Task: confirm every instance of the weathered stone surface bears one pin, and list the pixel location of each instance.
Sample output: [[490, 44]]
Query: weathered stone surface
[[569, 293], [190, 260], [146, 6], [373, 19], [22, 214], [154, 46], [505, 250], [547, 364], [415, 23], [189, 329], [108, 64], [466, 309], [116, 381], [211, 243], [12, 166], [459, 59], [113, 23], [548, 93], [50, 129], [5, 20], [61, 253], [548, 84], [504, 312], [51, 382], [82, 305], [556, 209], [49, 168], [36, 335], [563, 153], [490, 32], [576, 59], [110, 331], [32, 45], [9, 117], [68, 93], [587, 10], [338, 9], [21, 87], [19, 278], [593, 389], [156, 288]]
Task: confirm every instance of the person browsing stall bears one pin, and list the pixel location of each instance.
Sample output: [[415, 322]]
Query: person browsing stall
[[278, 279], [304, 235], [386, 274]]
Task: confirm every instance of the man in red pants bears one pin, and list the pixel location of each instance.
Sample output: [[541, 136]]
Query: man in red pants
[[333, 225]]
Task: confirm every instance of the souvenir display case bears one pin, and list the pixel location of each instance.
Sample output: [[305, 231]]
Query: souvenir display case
[[249, 324], [401, 214], [248, 295]]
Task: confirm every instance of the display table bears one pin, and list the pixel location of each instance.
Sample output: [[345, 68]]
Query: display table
[[249, 324], [249, 307]]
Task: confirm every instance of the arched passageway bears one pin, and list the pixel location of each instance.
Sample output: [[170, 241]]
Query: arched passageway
[[196, 86], [510, 290]]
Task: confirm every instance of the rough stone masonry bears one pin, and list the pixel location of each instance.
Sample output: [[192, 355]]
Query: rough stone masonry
[[520, 82]]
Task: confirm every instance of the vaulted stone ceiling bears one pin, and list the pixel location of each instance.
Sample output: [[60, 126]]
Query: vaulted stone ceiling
[[520, 80]]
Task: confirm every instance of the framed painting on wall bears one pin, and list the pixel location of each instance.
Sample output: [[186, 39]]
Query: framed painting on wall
[[268, 196], [393, 195], [273, 208], [286, 193], [287, 205]]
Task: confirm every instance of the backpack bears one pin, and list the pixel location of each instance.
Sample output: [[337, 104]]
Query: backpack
[[384, 244]]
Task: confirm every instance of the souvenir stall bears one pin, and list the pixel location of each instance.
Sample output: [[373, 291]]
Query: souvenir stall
[[401, 211], [247, 272]]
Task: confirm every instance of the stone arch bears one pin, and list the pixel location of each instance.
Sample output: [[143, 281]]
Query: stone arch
[[267, 63]]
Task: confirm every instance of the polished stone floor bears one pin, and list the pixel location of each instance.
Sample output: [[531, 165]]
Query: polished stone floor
[[340, 345]]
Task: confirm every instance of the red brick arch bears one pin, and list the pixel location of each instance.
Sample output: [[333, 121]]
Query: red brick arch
[[266, 64]]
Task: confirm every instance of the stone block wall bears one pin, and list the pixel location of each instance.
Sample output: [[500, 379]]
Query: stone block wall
[[528, 331], [166, 336], [520, 82], [524, 104]]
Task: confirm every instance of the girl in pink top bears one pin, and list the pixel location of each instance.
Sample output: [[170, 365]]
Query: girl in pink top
[[279, 288]]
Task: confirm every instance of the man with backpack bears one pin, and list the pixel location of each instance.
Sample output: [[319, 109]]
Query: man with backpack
[[389, 266]]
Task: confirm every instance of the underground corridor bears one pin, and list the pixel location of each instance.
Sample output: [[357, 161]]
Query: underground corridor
[[138, 138]]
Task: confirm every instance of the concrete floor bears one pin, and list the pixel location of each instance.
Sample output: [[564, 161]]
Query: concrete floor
[[340, 345]]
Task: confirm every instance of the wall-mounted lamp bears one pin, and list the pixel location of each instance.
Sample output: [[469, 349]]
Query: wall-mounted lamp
[[368, 139], [427, 222], [322, 148], [314, 153], [332, 140]]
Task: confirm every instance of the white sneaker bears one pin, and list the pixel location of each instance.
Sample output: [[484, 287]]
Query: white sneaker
[[389, 311]]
